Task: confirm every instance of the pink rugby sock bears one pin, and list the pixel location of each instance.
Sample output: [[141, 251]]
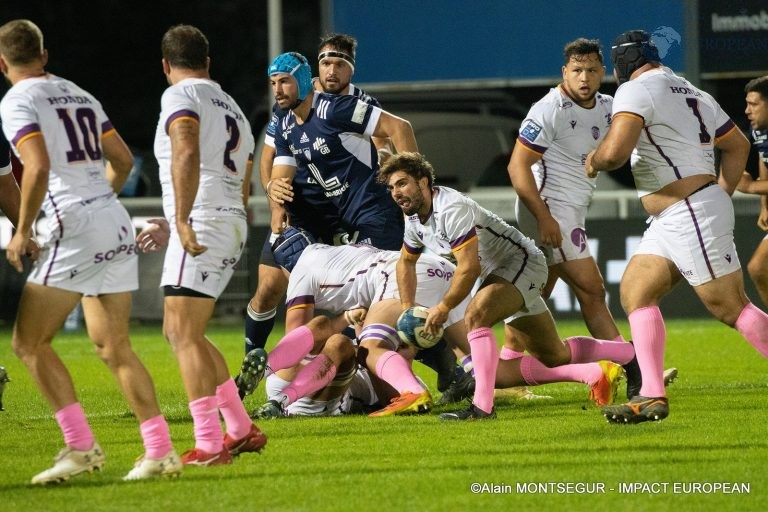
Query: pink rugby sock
[[291, 349], [589, 350], [485, 359], [649, 337], [393, 369], [507, 354], [235, 416], [157, 438], [205, 417], [312, 377], [74, 426], [753, 325], [535, 373]]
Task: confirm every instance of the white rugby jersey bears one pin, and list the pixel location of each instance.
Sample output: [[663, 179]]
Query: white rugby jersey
[[681, 125], [454, 221], [226, 146], [338, 278], [562, 133], [5, 154], [73, 123]]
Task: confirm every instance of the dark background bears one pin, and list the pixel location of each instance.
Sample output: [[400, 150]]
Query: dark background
[[112, 49]]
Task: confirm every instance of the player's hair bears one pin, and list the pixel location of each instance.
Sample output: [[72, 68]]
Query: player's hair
[[341, 42], [413, 164], [21, 42], [580, 48], [758, 85], [185, 46]]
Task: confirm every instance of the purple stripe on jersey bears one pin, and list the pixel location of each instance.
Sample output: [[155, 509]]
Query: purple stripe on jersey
[[179, 114], [724, 129], [463, 239], [384, 288], [562, 253], [544, 176], [106, 126], [518, 246], [665, 157], [53, 260], [56, 211], [183, 260], [701, 240], [301, 300], [30, 128], [412, 250], [530, 145], [324, 286]]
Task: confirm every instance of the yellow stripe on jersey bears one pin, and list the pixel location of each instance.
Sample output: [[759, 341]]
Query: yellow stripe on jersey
[[460, 247], [726, 134], [27, 137], [111, 131], [189, 118], [299, 306], [531, 150], [630, 114]]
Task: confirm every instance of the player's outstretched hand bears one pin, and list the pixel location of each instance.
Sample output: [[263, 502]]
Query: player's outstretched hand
[[154, 236]]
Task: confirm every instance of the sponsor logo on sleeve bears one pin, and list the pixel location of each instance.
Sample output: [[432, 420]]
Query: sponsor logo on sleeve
[[530, 131]]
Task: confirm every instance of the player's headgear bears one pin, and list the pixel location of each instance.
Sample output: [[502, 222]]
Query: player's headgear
[[289, 245], [631, 51], [296, 65]]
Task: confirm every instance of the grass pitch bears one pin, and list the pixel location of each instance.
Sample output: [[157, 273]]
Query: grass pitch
[[557, 454]]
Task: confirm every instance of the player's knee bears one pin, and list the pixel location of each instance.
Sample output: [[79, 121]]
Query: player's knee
[[475, 318], [339, 347]]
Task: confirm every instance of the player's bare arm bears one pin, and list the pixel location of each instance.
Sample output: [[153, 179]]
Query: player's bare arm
[[298, 316], [10, 203], [399, 131], [520, 174], [279, 188], [734, 151], [10, 198], [617, 146], [119, 159], [185, 174], [406, 278], [247, 182], [464, 278], [37, 167]]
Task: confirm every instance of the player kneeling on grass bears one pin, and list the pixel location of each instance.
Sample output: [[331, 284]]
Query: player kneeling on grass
[[512, 271], [339, 279]]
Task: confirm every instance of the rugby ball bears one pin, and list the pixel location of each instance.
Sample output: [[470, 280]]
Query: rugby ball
[[410, 328]]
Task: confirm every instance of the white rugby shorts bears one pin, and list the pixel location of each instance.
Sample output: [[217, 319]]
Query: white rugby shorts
[[90, 250], [696, 234], [572, 220], [433, 278], [210, 272], [359, 389]]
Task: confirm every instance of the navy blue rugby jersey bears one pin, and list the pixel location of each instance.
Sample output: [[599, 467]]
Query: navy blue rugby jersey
[[333, 150], [760, 141]]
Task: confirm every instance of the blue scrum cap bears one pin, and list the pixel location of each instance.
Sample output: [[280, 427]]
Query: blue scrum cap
[[631, 51], [296, 65], [289, 245]]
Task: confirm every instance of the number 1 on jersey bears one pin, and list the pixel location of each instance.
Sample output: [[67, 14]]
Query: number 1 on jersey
[[704, 136]]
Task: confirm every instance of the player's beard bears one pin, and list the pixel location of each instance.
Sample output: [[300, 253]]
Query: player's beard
[[415, 204]]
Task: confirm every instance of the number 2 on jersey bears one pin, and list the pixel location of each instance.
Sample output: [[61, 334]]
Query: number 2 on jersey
[[86, 121], [704, 136], [232, 143]]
